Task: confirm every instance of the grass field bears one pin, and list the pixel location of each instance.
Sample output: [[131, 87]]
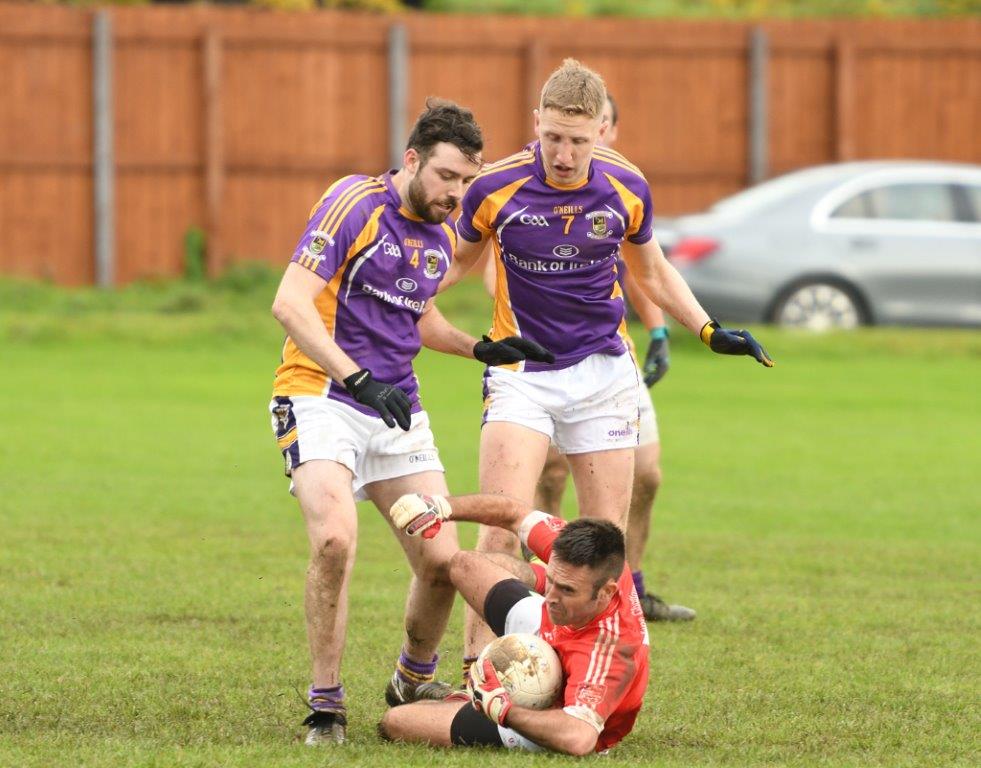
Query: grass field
[[822, 516]]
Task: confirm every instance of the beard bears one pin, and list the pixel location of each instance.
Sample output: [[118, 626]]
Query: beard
[[430, 210]]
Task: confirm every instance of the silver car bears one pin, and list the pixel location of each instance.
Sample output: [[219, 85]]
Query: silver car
[[841, 245]]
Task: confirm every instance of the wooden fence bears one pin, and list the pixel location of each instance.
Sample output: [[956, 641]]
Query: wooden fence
[[235, 120]]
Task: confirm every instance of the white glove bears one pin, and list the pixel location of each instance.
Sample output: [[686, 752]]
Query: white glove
[[486, 692], [417, 513]]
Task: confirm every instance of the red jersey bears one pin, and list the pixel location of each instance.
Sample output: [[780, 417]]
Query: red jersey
[[605, 662]]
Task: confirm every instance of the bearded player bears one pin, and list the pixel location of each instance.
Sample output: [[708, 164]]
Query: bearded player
[[354, 302], [583, 604]]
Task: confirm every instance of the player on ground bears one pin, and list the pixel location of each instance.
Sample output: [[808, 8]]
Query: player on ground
[[647, 469], [585, 607], [354, 303], [558, 215]]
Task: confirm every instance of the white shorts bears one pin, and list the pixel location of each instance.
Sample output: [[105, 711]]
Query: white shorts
[[589, 406], [309, 427], [648, 419]]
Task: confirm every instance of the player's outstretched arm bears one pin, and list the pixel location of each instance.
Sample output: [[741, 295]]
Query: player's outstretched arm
[[439, 334], [663, 285], [417, 514], [464, 258], [658, 358]]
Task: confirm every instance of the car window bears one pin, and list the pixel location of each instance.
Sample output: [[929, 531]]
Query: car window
[[973, 192], [857, 207], [913, 202]]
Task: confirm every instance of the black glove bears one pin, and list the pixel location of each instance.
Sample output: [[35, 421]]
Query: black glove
[[657, 361], [392, 403], [513, 349], [728, 342]]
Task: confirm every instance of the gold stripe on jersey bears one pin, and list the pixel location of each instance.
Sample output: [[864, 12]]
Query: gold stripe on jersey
[[451, 236], [634, 205], [504, 322], [622, 332], [298, 374], [332, 230], [342, 206], [492, 205], [612, 156], [507, 164], [341, 199], [325, 195], [518, 157]]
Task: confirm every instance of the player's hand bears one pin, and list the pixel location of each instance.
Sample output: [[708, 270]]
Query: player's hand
[[392, 404], [513, 349], [658, 359], [486, 692], [416, 514], [729, 342]]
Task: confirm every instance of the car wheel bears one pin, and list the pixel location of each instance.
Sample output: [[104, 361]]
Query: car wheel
[[819, 307]]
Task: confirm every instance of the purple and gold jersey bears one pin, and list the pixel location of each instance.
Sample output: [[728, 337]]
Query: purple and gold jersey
[[556, 249], [381, 264]]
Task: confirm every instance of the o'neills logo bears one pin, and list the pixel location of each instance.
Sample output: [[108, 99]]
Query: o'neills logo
[[625, 432]]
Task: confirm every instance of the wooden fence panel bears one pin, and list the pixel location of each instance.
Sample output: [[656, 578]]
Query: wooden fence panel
[[237, 119]]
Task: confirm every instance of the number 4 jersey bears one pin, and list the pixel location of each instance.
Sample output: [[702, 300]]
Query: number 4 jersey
[[381, 264]]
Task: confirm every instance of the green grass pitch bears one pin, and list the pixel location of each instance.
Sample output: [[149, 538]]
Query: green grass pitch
[[822, 516]]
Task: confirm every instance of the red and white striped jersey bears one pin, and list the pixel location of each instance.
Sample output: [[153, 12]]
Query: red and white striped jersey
[[605, 662]]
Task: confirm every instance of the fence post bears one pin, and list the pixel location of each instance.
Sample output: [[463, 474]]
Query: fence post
[[398, 91], [103, 166], [214, 147], [844, 100], [757, 107]]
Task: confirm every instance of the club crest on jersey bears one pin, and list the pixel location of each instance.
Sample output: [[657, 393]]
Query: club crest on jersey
[[599, 227], [319, 242], [431, 269], [590, 694]]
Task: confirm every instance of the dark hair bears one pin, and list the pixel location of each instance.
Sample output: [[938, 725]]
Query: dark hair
[[614, 110], [443, 120], [595, 543]]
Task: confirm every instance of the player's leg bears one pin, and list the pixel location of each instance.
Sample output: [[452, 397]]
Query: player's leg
[[551, 484], [597, 430], [431, 594], [320, 441], [511, 458], [647, 481], [323, 489], [432, 722]]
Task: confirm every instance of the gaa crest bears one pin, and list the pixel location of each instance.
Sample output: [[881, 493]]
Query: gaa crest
[[599, 224]]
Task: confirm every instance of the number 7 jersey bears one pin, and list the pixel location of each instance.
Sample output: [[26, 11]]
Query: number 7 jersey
[[556, 249]]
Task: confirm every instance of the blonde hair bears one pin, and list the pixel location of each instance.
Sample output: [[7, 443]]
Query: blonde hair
[[574, 89]]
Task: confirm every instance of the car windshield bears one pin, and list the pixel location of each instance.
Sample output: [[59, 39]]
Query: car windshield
[[775, 190]]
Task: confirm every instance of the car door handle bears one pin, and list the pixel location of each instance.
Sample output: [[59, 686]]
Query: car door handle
[[864, 243]]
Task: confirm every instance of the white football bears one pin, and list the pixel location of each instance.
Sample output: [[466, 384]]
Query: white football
[[528, 667]]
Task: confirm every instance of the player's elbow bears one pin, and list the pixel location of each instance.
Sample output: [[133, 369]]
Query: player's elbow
[[579, 741], [282, 308]]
